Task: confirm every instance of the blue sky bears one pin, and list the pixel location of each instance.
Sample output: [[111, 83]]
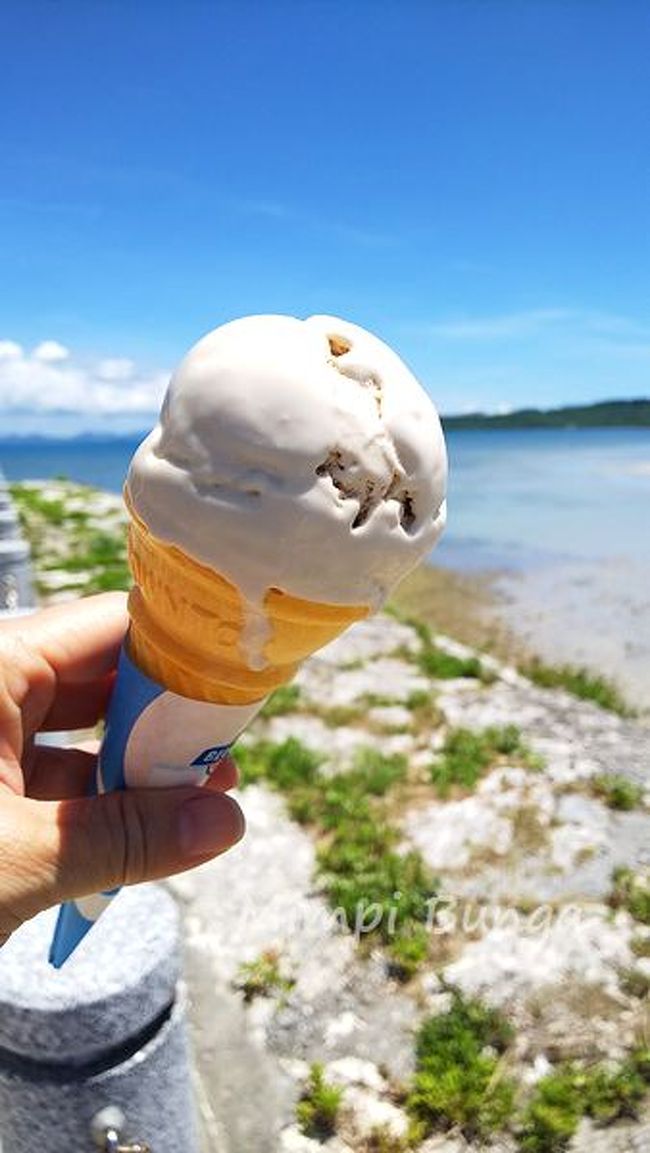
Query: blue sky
[[469, 179]]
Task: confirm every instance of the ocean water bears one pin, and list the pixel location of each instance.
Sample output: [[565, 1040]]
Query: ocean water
[[94, 462], [562, 514], [521, 497], [517, 497]]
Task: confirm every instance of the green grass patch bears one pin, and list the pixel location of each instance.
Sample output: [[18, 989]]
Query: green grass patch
[[560, 1100], [441, 665], [635, 983], [378, 893], [382, 894], [579, 682], [285, 766], [617, 791], [338, 716], [263, 977], [461, 1082], [641, 1062], [285, 699], [318, 1109], [467, 754], [552, 1115], [640, 946], [460, 1079], [379, 700], [373, 772], [631, 891], [420, 699], [383, 1141], [424, 711], [69, 540], [408, 951], [32, 504]]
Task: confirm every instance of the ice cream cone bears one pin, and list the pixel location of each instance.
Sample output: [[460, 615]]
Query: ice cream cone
[[188, 626], [290, 455], [187, 636]]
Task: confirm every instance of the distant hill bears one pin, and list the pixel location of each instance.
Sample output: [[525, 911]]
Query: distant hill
[[607, 413]]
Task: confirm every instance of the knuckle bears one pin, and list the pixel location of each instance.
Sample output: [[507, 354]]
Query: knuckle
[[133, 848]]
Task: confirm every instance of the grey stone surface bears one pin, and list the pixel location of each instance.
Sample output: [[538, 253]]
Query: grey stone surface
[[557, 980], [260, 896], [107, 1029], [119, 979], [150, 1088]]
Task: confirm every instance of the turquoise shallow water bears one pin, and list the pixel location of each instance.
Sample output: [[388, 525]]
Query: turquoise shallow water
[[521, 497], [518, 497], [562, 514]]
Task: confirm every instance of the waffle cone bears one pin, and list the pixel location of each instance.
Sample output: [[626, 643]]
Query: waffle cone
[[187, 623]]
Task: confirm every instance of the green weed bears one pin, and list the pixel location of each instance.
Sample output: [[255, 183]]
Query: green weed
[[444, 666], [617, 792], [561, 1099], [318, 1109], [641, 1062], [381, 894], [383, 1141], [48, 521], [425, 713], [552, 1115], [631, 891], [635, 983], [640, 946], [434, 661], [285, 699], [460, 1079], [407, 952], [338, 716], [467, 754], [285, 766], [262, 977], [579, 682]]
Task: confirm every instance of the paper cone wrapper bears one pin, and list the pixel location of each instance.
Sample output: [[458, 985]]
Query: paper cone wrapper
[[185, 688]]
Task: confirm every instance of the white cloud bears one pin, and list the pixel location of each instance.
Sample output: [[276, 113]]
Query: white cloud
[[47, 381], [50, 351], [9, 350], [116, 368]]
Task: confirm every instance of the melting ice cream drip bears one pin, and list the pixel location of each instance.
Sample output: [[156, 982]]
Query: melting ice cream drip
[[255, 635]]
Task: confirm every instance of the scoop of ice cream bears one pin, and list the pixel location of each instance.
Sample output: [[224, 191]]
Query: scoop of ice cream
[[294, 454]]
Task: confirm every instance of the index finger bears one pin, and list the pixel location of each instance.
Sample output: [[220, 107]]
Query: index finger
[[80, 640]]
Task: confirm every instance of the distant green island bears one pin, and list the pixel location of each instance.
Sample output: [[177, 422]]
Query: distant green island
[[605, 414]]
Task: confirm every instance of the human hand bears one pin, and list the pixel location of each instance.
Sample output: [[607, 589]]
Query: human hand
[[57, 843]]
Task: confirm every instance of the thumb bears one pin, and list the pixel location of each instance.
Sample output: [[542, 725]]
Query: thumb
[[54, 851]]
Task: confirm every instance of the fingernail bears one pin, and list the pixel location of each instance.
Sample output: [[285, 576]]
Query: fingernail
[[209, 824]]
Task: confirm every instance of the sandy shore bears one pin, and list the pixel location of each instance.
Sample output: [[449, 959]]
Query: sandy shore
[[573, 613], [579, 613]]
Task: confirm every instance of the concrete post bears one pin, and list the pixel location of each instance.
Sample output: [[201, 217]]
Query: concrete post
[[16, 588], [107, 1031]]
